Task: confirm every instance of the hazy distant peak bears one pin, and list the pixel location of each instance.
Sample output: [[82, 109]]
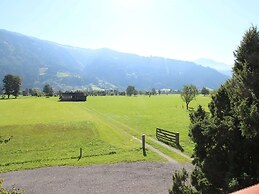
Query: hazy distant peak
[[213, 64], [219, 66]]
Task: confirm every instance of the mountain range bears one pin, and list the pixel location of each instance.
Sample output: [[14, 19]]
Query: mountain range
[[39, 62]]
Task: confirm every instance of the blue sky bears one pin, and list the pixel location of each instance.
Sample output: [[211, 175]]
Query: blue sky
[[179, 29]]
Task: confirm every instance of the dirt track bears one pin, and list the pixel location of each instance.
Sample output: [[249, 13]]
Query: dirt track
[[139, 177]]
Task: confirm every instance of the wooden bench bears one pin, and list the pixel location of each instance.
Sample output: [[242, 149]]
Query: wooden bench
[[167, 136]]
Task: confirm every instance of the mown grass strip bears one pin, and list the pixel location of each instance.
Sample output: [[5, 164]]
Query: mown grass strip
[[179, 158]]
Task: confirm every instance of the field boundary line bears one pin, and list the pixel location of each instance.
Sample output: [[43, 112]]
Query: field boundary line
[[137, 139], [114, 121], [170, 148]]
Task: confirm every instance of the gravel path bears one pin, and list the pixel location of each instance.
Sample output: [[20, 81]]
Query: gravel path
[[138, 177]]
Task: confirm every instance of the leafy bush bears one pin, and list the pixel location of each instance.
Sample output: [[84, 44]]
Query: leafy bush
[[13, 190], [180, 183]]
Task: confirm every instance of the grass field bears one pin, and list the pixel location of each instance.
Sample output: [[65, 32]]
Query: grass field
[[142, 114], [48, 133]]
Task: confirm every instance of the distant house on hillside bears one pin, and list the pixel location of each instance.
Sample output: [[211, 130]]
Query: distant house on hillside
[[73, 96]]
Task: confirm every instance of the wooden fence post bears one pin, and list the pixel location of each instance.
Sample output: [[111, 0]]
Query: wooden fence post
[[143, 145], [177, 138], [80, 154]]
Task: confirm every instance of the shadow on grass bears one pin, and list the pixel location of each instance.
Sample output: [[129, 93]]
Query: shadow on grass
[[177, 146], [56, 159], [9, 98]]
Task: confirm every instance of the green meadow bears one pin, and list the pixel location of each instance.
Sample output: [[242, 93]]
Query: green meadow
[[47, 132]]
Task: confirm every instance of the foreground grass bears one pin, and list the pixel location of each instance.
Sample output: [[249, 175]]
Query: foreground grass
[[49, 133]]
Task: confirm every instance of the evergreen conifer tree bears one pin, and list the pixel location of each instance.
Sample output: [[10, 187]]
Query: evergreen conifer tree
[[226, 155]]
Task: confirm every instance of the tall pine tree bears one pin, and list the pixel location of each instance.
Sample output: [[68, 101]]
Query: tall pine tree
[[226, 155]]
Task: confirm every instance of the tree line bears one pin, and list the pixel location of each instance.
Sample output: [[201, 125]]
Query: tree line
[[12, 86]]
